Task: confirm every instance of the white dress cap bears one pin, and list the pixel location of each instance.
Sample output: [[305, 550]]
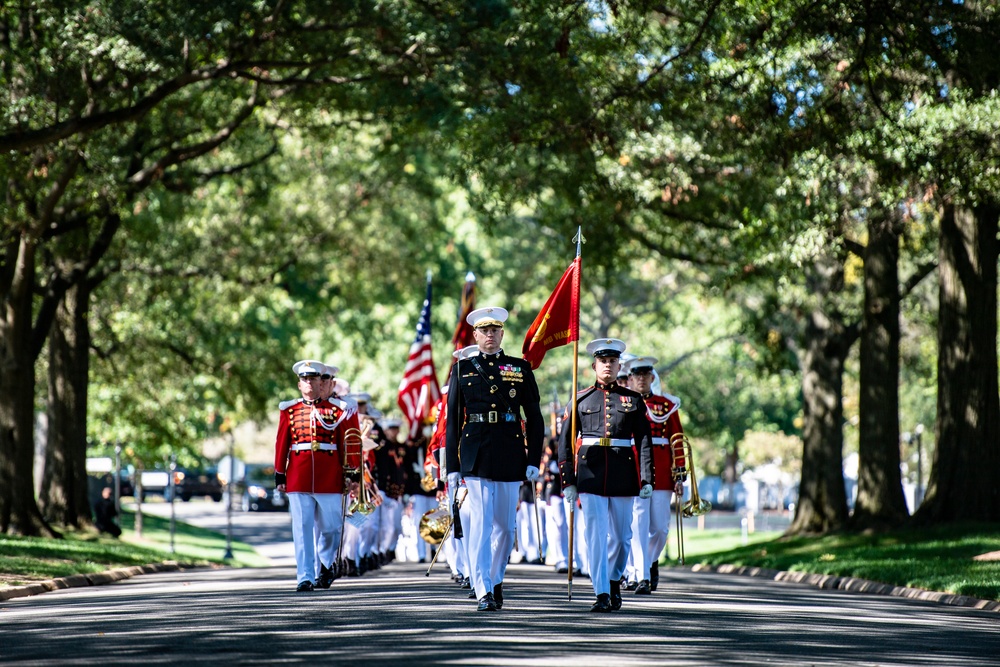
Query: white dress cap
[[640, 363], [492, 316], [606, 347], [308, 368], [466, 352]]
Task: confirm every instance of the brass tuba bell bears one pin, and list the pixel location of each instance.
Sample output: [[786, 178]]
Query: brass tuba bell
[[434, 524]]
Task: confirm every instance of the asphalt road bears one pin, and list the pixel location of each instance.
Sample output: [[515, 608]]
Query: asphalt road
[[397, 614], [253, 616]]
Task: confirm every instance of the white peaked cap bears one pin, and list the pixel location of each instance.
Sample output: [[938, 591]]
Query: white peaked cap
[[606, 347], [492, 316]]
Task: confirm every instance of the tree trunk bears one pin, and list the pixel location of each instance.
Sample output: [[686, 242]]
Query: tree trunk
[[880, 503], [64, 499], [822, 504], [18, 509], [966, 462]]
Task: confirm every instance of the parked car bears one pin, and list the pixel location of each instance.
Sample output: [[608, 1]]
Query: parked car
[[257, 490], [155, 482], [191, 483]]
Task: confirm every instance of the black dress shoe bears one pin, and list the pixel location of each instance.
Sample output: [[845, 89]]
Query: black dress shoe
[[466, 583], [643, 588], [487, 603], [616, 596], [472, 594], [352, 569], [498, 595], [562, 570], [603, 603], [304, 587], [632, 585], [325, 577], [654, 575]]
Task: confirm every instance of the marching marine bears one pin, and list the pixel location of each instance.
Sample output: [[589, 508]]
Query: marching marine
[[317, 441], [485, 445], [651, 517], [613, 464]]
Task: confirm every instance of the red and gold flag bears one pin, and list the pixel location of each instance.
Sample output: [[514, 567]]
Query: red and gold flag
[[558, 323]]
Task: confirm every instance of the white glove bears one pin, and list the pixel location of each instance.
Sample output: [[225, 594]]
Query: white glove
[[453, 479], [570, 494], [646, 491], [531, 474]]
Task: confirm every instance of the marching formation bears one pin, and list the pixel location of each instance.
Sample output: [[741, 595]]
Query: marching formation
[[590, 495]]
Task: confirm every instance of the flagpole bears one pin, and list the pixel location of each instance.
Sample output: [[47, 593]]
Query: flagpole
[[572, 430]]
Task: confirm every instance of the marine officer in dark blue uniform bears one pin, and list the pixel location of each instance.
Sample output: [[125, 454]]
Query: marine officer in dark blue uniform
[[487, 445], [614, 463]]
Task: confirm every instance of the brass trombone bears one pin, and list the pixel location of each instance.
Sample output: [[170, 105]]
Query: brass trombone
[[363, 502], [696, 506]]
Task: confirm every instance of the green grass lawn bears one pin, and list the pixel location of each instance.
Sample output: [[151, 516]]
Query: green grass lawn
[[937, 559], [27, 559]]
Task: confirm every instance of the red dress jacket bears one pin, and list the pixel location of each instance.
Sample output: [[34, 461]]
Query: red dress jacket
[[314, 444], [664, 422]]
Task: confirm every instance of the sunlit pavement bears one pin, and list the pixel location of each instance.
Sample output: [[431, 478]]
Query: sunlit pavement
[[253, 616]]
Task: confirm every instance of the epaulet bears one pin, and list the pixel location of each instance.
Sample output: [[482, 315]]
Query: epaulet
[[673, 399], [284, 405], [348, 405]]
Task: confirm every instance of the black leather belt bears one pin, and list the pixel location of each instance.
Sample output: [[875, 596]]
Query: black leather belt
[[492, 417]]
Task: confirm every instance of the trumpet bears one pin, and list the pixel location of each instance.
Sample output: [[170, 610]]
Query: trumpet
[[696, 506]]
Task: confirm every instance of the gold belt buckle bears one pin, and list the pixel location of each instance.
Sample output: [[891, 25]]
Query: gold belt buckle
[[604, 442], [315, 446], [492, 414]]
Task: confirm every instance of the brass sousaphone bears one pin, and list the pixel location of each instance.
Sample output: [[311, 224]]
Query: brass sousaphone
[[434, 524]]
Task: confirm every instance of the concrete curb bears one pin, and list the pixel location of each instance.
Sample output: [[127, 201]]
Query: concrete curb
[[832, 582], [81, 580]]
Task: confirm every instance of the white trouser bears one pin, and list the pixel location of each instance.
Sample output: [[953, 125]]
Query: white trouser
[[527, 533], [462, 545], [369, 533], [352, 539], [392, 523], [580, 559], [543, 539], [315, 524], [609, 530], [659, 524], [557, 530], [490, 532], [637, 567], [421, 505]]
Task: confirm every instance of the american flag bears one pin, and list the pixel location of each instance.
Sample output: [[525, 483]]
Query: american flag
[[418, 390]]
